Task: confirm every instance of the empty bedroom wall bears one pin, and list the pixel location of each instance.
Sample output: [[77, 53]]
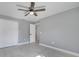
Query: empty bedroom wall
[[23, 28], [60, 30]]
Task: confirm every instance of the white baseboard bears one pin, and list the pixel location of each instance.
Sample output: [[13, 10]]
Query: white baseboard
[[9, 45], [62, 50], [23, 43]]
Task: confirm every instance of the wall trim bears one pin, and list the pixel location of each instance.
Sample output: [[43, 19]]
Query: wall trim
[[22, 43], [8, 45], [59, 49], [15, 44]]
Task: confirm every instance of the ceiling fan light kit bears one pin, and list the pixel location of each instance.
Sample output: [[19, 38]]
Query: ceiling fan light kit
[[31, 13], [32, 10]]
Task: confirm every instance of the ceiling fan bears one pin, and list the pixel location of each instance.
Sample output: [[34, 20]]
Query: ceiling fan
[[32, 9]]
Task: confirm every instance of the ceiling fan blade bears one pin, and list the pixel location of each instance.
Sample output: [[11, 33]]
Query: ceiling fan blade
[[40, 7], [35, 14], [32, 4], [23, 10], [39, 10], [22, 6], [27, 14]]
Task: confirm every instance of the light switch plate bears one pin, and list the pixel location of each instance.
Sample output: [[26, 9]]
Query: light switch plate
[[40, 32]]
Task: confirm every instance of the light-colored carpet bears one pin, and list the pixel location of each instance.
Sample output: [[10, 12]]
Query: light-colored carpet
[[31, 50]]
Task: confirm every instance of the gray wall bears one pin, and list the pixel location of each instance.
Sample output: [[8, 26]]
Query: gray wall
[[24, 28], [61, 30], [24, 31]]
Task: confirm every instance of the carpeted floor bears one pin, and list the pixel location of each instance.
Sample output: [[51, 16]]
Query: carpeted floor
[[31, 50]]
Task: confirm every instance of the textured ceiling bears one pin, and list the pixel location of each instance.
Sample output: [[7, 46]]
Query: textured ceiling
[[52, 8]]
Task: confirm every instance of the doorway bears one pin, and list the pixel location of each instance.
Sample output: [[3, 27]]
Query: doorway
[[32, 33]]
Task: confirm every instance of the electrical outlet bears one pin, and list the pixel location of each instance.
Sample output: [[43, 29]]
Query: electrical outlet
[[24, 39], [53, 43]]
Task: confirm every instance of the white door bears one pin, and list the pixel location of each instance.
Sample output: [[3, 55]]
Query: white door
[[8, 33], [32, 33]]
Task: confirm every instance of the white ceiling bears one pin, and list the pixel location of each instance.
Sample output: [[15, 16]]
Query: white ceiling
[[10, 9]]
